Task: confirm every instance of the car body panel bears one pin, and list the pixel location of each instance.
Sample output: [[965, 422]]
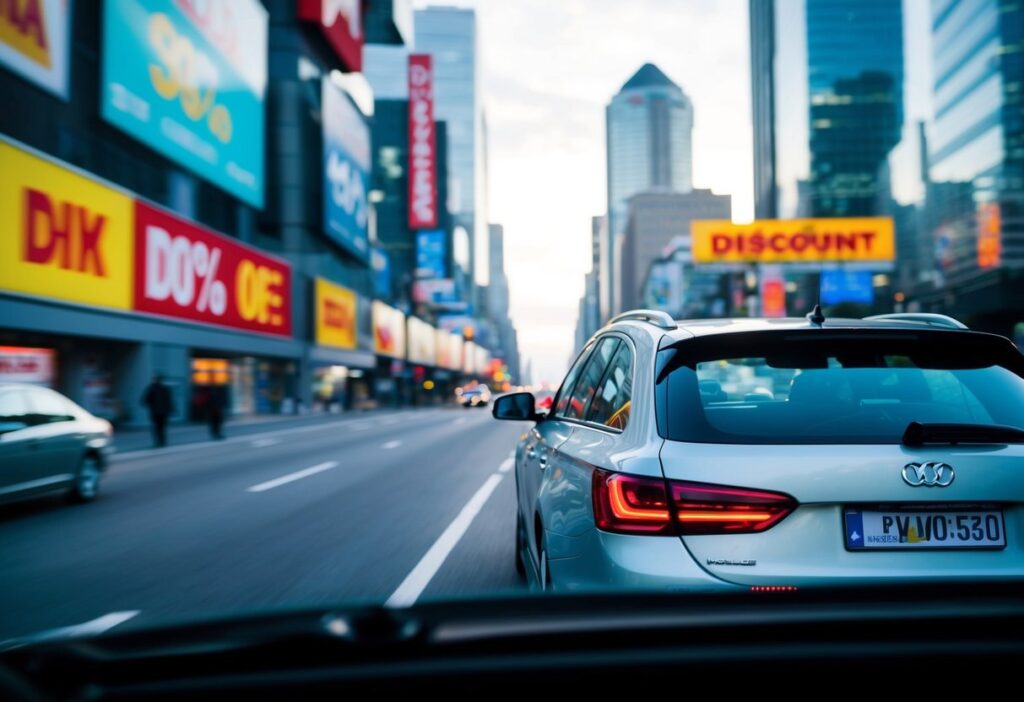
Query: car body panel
[[806, 548], [46, 456]]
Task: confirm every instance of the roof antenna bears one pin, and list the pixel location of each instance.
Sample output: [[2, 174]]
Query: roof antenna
[[816, 316]]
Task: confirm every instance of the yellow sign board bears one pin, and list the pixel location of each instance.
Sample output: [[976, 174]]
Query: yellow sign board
[[335, 315], [63, 235], [828, 240]]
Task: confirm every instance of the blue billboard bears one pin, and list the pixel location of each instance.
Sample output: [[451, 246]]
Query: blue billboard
[[188, 79], [430, 254], [838, 285], [381, 265], [346, 171]]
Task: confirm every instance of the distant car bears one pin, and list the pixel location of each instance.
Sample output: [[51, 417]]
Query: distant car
[[478, 396], [783, 453], [48, 444]]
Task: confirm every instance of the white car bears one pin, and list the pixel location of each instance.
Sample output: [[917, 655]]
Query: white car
[[786, 453], [477, 396]]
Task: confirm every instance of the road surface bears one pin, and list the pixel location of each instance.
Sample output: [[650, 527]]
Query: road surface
[[391, 506]]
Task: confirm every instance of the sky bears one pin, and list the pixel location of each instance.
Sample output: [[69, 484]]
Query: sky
[[549, 68]]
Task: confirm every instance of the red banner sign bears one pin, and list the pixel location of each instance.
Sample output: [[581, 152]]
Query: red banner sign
[[186, 271], [422, 144], [341, 22]]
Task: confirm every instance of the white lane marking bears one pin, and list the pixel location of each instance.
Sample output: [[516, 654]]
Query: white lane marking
[[120, 456], [292, 477], [263, 443], [391, 444], [506, 465], [94, 626], [420, 576]]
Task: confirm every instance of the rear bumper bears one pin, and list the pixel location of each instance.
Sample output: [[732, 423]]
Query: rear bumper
[[599, 560]]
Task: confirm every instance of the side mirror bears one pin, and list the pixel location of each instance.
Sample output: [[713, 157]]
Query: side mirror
[[517, 406]]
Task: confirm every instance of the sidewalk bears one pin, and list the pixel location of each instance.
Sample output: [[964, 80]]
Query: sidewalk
[[138, 438]]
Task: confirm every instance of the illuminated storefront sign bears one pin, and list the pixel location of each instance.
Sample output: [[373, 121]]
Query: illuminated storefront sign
[[20, 364], [188, 78], [34, 41], [187, 271], [421, 342], [63, 235], [863, 239], [388, 331], [336, 315], [990, 244], [67, 236]]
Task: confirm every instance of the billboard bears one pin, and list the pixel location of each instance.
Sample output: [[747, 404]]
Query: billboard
[[838, 285], [188, 79], [388, 331], [422, 342], [430, 254], [860, 239], [346, 171], [341, 23], [189, 272], [34, 42], [336, 315], [63, 235], [422, 144], [449, 350]]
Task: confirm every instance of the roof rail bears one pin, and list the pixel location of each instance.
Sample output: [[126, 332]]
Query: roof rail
[[932, 320], [660, 319]]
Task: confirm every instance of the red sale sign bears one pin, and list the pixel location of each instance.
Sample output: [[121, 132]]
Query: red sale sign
[[422, 144], [186, 271]]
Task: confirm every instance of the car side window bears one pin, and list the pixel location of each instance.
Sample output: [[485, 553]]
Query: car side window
[[13, 411], [612, 402], [590, 378], [48, 407], [562, 398]]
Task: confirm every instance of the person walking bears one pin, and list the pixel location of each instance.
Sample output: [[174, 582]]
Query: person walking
[[158, 399], [216, 402]]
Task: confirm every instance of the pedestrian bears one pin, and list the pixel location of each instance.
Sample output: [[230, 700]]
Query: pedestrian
[[158, 399], [215, 403]]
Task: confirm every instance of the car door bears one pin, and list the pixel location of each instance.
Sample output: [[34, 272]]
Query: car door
[[547, 436], [544, 433], [56, 444], [15, 461]]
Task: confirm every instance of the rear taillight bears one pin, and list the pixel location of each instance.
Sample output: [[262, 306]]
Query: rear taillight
[[630, 504], [715, 509]]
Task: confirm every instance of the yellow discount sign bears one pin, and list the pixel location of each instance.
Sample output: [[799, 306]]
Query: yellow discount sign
[[794, 240], [63, 235], [335, 315]]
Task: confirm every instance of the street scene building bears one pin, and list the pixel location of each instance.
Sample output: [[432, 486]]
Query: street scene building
[[257, 239]]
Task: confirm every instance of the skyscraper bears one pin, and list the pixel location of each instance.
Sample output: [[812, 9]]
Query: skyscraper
[[649, 145], [855, 81], [450, 35], [762, 85], [975, 201]]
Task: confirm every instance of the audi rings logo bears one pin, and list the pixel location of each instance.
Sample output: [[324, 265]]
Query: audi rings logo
[[928, 474]]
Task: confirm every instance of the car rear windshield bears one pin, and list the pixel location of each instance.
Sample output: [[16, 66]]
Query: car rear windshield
[[824, 387]]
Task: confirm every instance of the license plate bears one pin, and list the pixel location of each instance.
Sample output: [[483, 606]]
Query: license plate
[[921, 529]]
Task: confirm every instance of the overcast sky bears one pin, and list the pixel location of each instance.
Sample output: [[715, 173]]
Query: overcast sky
[[549, 68]]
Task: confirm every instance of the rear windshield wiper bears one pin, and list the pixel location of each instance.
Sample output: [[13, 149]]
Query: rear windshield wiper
[[918, 434]]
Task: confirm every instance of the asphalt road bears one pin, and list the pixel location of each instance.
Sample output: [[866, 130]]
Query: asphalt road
[[390, 507]]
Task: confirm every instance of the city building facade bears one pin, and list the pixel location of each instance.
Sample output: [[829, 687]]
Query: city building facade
[[649, 125], [654, 220]]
